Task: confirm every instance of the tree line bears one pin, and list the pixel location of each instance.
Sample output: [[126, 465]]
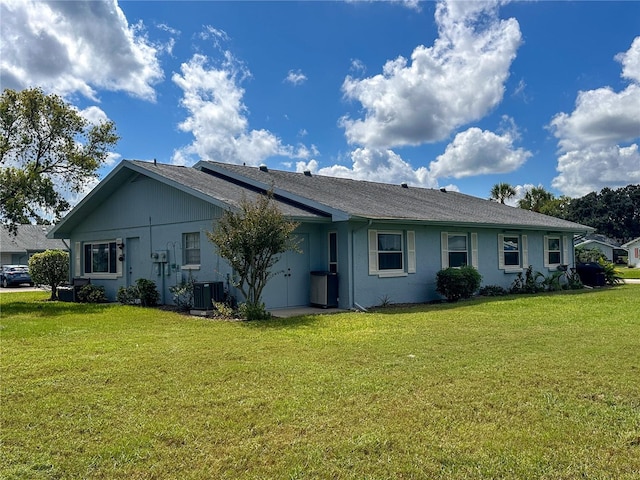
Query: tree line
[[612, 212]]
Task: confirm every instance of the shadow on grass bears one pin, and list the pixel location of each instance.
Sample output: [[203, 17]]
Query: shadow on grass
[[444, 305], [46, 308], [276, 323]]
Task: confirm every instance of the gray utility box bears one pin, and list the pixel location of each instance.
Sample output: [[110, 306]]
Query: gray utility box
[[205, 293], [324, 289]]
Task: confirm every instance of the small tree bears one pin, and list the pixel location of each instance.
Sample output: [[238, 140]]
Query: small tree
[[251, 240], [50, 268], [457, 283]]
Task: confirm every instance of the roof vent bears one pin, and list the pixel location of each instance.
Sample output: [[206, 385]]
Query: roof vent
[[443, 190], [404, 185], [263, 168], [307, 173]]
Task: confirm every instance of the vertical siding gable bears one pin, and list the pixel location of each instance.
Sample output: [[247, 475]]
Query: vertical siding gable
[[135, 201]]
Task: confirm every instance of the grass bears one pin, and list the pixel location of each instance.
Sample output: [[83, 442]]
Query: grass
[[631, 273], [542, 386]]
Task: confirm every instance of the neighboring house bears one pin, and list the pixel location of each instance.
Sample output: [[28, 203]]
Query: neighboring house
[[609, 248], [29, 239], [633, 249], [385, 242]]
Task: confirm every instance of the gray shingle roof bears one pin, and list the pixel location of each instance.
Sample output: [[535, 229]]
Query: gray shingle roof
[[29, 238], [224, 191], [382, 201]]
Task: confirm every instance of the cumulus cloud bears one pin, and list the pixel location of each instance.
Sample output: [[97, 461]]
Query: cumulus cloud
[[595, 140], [458, 80], [69, 47], [217, 118], [477, 152], [295, 77], [375, 165]]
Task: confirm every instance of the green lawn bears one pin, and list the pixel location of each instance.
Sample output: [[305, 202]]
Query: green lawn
[[628, 272], [528, 387]]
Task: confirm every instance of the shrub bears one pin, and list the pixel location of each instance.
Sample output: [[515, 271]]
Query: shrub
[[529, 283], [182, 294], [492, 291], [611, 276], [50, 268], [250, 311], [128, 295], [92, 294], [457, 283], [223, 309], [147, 292]]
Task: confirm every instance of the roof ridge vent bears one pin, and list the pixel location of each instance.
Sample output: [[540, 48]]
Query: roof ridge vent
[[404, 185], [263, 168], [307, 173], [443, 190]]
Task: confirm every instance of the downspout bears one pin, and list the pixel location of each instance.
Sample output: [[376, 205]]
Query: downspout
[[353, 265]]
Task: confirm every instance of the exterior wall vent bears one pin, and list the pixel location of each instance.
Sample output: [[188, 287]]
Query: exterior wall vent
[[307, 173], [263, 168]]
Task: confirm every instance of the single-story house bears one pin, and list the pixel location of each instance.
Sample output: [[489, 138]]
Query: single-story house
[[633, 249], [29, 239], [384, 242], [609, 247]]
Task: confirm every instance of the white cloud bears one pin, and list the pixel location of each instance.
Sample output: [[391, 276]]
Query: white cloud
[[592, 138], [592, 168], [477, 152], [94, 115], [295, 77], [69, 47], [217, 117], [458, 80], [378, 165]]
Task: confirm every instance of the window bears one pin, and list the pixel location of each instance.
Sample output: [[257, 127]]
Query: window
[[553, 250], [390, 251], [556, 250], [333, 252], [387, 250], [512, 251], [191, 248], [455, 250], [101, 257]]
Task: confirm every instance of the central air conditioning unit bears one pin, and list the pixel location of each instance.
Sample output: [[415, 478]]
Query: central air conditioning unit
[[205, 293]]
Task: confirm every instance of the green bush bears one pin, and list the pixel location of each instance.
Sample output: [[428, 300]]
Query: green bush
[[249, 311], [492, 291], [128, 295], [50, 268], [529, 283], [457, 283], [148, 292], [182, 294], [92, 294], [611, 276]]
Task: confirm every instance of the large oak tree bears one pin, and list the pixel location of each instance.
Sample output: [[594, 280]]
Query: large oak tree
[[46, 148]]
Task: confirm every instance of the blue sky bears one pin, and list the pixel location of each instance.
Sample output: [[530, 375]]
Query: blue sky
[[456, 94]]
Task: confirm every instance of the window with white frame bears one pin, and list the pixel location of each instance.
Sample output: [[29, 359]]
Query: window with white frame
[[390, 254], [191, 248], [556, 250], [101, 257], [456, 252], [512, 251]]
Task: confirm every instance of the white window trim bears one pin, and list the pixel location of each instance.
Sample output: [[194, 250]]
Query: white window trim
[[329, 262], [102, 275], [184, 251], [547, 263], [472, 248], [523, 249], [408, 253]]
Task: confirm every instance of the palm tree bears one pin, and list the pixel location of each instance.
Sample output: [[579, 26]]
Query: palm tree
[[535, 199], [502, 191]]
